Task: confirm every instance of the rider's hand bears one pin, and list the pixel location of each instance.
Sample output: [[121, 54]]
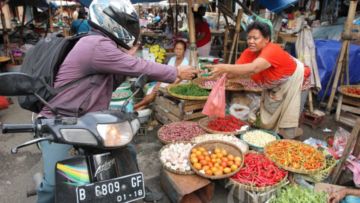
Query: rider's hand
[[186, 72]]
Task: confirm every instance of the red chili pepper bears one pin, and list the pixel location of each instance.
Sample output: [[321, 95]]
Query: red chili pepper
[[259, 171]]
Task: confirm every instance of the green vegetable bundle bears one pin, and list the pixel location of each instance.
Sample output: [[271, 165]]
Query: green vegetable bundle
[[189, 90], [296, 194]]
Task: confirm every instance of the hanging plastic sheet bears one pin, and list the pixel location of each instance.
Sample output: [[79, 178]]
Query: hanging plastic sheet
[[327, 52]]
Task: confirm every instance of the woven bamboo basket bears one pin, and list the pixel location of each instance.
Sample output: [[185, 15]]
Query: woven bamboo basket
[[255, 188], [323, 174], [172, 141], [242, 145], [204, 123], [184, 96], [277, 137], [170, 169], [342, 89], [211, 145], [200, 82], [301, 171]]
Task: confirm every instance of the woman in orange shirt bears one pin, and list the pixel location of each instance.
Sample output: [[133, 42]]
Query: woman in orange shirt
[[279, 74]]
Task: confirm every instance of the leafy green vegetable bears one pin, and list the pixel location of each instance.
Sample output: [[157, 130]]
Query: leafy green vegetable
[[296, 194], [189, 90]]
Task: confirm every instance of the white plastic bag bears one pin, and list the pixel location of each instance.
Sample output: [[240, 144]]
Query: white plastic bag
[[240, 111]]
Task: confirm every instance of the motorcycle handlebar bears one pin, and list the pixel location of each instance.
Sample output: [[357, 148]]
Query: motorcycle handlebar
[[17, 128]]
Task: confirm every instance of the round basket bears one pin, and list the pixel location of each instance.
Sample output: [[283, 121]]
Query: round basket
[[201, 80], [211, 145], [255, 188], [170, 124], [170, 169], [184, 96], [301, 171], [242, 145], [277, 137], [204, 123], [259, 189], [343, 88], [323, 174], [249, 88]]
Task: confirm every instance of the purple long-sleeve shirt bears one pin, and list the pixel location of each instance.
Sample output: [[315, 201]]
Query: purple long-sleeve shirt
[[98, 55]]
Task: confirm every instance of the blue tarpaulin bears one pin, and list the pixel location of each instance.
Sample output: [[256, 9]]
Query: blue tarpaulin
[[276, 5], [327, 52]]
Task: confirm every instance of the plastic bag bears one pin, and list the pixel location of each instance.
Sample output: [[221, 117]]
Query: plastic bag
[[215, 104], [4, 103], [340, 140], [240, 111], [355, 168]]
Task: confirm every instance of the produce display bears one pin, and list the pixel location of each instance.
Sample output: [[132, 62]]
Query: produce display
[[176, 157], [248, 84], [227, 124], [189, 90], [215, 162], [210, 83], [296, 194], [121, 94], [295, 156], [259, 171], [226, 138], [180, 131], [352, 90], [159, 52], [258, 138]]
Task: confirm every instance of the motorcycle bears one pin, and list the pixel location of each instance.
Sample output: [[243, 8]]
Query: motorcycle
[[103, 168]]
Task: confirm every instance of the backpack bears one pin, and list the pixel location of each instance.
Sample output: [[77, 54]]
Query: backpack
[[42, 62]]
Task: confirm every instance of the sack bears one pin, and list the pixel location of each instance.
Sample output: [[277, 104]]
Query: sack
[[215, 104], [42, 62]]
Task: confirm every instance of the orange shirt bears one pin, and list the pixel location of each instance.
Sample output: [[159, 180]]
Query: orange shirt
[[282, 64]]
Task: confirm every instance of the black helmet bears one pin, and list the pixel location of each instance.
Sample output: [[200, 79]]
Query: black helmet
[[117, 19]]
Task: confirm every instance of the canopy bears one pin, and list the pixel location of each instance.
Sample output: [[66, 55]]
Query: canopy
[[276, 5], [45, 3]]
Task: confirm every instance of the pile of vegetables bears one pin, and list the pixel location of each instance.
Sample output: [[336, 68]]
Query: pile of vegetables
[[258, 138], [189, 90], [158, 51], [353, 90], [295, 155], [225, 138], [227, 124], [180, 131], [215, 162], [175, 156], [296, 194], [259, 171]]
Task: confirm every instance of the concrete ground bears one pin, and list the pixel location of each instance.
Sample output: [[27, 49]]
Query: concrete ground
[[16, 171]]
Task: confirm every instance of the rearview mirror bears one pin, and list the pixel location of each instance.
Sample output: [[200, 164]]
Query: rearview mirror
[[17, 84]]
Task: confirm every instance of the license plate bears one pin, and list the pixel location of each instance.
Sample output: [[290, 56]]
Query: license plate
[[123, 189]]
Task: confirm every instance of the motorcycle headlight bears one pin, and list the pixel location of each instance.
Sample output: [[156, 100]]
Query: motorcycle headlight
[[117, 134]]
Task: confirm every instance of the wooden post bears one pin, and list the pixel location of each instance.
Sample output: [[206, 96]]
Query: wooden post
[[345, 46], [176, 17], [50, 21], [5, 33], [191, 25], [350, 143], [236, 34]]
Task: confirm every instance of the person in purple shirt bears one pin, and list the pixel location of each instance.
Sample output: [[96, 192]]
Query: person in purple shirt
[[115, 25]]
